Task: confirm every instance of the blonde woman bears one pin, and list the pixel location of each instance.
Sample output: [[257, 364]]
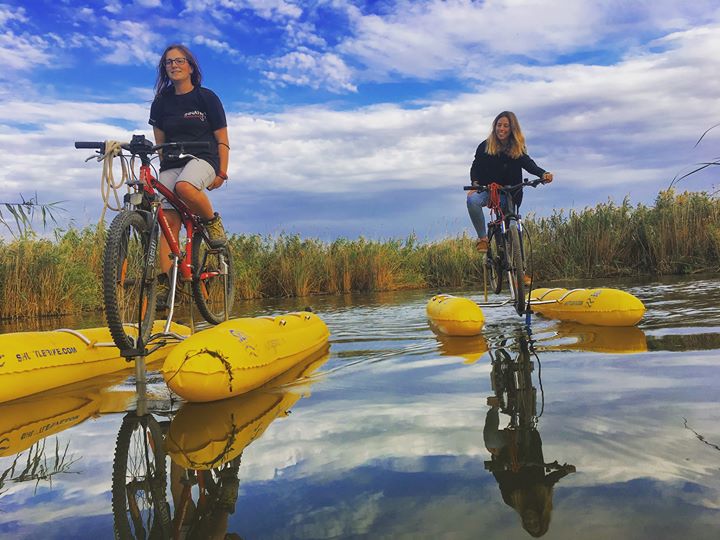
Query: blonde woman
[[499, 159]]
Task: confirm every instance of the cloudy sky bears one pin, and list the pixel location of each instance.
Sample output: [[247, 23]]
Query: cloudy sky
[[351, 117]]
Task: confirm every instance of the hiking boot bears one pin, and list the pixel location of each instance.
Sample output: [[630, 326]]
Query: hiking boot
[[215, 232], [482, 245], [162, 302]]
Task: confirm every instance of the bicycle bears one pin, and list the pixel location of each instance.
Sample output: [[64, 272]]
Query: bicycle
[[506, 253], [130, 253]]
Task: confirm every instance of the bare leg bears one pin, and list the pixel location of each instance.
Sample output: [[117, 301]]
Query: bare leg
[[173, 219], [196, 200]]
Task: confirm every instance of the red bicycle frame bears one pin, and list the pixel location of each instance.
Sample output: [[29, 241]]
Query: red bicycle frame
[[150, 184]]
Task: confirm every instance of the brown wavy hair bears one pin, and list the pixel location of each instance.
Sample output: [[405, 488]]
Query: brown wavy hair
[[163, 82], [515, 146]]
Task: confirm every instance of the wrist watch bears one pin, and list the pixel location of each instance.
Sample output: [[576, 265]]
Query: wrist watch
[[223, 175]]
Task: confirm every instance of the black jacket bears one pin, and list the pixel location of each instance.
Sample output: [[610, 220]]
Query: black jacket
[[501, 168]]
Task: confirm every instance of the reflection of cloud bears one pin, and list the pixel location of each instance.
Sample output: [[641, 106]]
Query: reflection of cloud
[[85, 491]]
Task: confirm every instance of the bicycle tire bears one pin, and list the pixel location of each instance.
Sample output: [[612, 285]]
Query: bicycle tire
[[493, 260], [139, 500], [518, 268], [208, 278], [129, 291]]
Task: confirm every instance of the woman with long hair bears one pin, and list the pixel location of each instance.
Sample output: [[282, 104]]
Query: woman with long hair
[[183, 111], [499, 159]]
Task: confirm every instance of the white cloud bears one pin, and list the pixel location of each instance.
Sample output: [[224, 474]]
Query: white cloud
[[274, 10], [605, 131], [305, 67], [11, 13], [216, 45], [430, 38], [22, 52], [129, 42]]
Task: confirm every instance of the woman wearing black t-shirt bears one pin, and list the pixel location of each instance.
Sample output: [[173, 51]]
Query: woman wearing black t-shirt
[[499, 159], [185, 111]]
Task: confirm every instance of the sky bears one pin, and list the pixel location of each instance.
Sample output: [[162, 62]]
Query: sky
[[356, 118]]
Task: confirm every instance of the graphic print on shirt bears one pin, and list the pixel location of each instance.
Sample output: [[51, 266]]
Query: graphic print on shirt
[[195, 115]]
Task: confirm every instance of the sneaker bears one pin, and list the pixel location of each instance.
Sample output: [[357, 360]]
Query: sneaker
[[482, 244], [216, 232]]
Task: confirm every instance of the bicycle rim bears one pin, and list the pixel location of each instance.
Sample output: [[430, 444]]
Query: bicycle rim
[[212, 272], [129, 291], [518, 269], [140, 509]]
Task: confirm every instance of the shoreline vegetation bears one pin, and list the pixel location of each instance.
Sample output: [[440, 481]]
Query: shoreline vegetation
[[679, 234]]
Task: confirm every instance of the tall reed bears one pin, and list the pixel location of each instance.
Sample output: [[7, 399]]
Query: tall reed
[[679, 234]]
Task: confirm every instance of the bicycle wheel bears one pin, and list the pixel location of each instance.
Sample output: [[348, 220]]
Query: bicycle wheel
[[518, 268], [139, 505], [128, 287], [212, 272], [493, 261]]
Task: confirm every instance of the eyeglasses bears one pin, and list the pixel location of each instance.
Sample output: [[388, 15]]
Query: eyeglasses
[[179, 61]]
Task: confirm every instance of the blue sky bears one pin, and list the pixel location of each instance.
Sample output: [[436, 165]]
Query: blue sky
[[352, 118]]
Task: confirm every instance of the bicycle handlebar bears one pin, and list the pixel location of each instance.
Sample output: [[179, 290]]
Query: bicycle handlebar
[[141, 144], [83, 144], [526, 182]]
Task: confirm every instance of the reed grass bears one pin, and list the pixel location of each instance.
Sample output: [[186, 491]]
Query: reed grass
[[679, 234]]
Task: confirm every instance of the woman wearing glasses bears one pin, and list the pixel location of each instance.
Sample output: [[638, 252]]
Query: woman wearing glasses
[[185, 111]]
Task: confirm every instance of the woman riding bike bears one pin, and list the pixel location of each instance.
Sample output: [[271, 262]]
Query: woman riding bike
[[185, 111], [499, 159]]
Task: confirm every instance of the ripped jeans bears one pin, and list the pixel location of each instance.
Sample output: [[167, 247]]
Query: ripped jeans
[[476, 201]]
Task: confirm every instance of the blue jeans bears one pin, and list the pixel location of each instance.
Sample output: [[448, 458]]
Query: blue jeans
[[475, 203]]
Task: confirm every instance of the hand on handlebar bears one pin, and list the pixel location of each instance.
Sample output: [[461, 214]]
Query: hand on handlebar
[[547, 177]]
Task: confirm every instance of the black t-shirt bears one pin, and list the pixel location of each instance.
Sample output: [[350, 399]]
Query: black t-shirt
[[189, 117]]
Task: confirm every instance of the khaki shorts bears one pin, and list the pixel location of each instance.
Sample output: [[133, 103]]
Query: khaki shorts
[[196, 172]]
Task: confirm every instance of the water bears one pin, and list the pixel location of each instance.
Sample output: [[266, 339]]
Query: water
[[613, 434]]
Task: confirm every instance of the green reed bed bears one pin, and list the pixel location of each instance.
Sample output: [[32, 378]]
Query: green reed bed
[[680, 233]]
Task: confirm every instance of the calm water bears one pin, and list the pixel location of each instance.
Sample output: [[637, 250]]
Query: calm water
[[613, 434]]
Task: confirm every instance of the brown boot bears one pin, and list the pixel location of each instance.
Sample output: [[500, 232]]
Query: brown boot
[[216, 232], [482, 244]]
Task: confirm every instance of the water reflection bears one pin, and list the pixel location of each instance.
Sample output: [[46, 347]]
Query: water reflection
[[28, 421], [205, 442], [525, 479]]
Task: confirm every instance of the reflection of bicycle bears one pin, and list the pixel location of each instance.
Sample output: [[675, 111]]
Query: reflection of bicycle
[[217, 492], [129, 259], [505, 254], [139, 503], [525, 480]]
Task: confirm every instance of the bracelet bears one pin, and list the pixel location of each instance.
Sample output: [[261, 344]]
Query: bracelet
[[223, 175], [224, 144]]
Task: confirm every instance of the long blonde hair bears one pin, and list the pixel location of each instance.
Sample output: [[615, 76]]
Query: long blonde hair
[[515, 146]]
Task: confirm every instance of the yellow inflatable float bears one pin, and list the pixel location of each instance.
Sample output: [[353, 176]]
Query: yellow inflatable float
[[24, 422], [204, 436], [592, 338], [470, 348], [32, 362], [454, 315], [601, 307], [240, 355]]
